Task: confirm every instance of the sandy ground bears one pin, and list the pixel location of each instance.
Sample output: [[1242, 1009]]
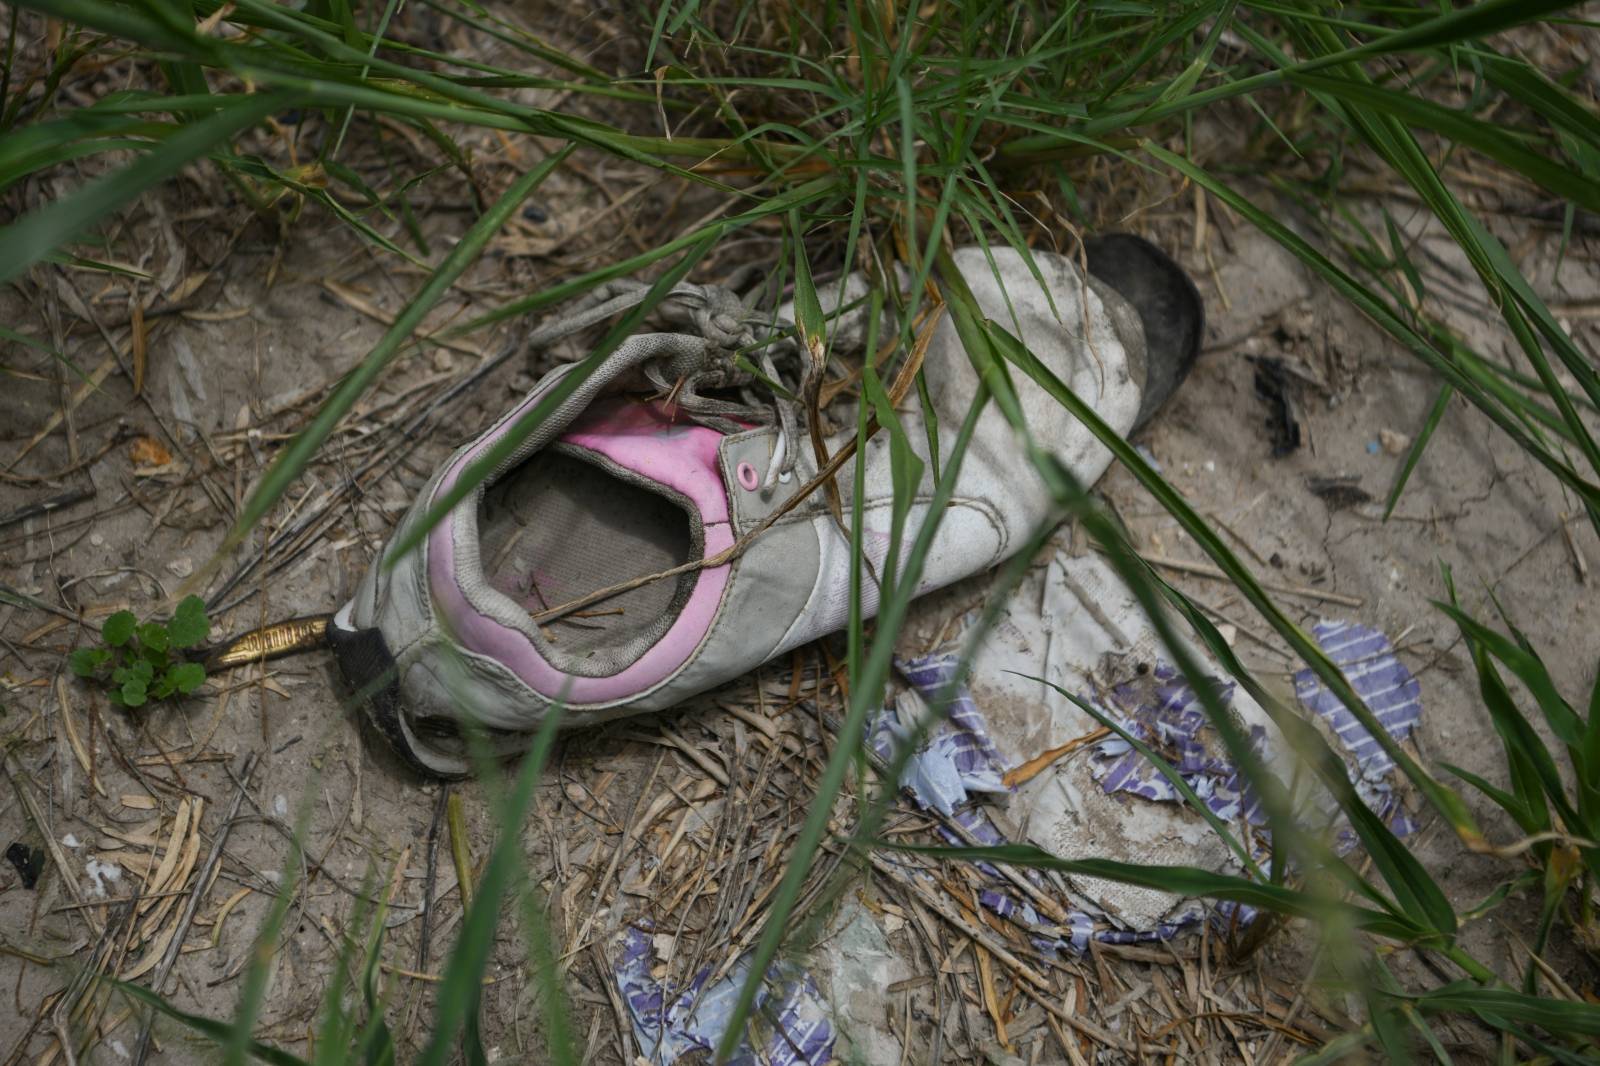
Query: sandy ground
[[263, 337]]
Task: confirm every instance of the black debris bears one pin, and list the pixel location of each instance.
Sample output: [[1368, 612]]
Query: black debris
[[29, 862], [1275, 386], [1339, 492]]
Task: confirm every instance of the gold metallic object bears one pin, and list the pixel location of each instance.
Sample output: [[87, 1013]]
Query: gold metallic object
[[272, 642]]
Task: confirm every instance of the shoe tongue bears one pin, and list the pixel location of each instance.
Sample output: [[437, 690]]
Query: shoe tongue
[[643, 439]]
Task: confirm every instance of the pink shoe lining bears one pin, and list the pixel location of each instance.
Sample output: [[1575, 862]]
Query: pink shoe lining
[[638, 437]]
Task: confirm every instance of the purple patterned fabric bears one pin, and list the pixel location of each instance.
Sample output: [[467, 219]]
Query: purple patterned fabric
[[1369, 663], [1167, 715], [928, 676], [1173, 716], [958, 758], [789, 1009], [1164, 712]]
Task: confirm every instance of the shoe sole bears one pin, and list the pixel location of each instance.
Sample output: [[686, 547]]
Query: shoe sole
[[1169, 308]]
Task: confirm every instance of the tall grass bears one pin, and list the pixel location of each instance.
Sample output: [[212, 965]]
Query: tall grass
[[863, 127]]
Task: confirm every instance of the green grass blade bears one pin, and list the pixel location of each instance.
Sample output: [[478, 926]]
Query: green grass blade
[[1341, 1048], [905, 473], [1461, 24], [1359, 296], [35, 235], [1587, 769], [213, 1030], [1529, 87], [461, 988], [808, 317], [1562, 719], [863, 699], [1520, 812], [1460, 129], [337, 1026], [1168, 771], [239, 1040], [855, 640], [1555, 1015], [560, 1048], [1385, 1016], [799, 196], [1180, 880], [287, 467], [45, 144], [1441, 403]]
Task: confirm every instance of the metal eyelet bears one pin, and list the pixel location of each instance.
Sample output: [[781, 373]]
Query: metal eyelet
[[749, 480]]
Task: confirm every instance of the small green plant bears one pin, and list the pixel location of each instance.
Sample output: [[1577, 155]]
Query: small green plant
[[145, 660]]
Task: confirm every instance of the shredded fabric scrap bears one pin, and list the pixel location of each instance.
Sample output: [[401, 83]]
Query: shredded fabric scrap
[[959, 759], [789, 1011]]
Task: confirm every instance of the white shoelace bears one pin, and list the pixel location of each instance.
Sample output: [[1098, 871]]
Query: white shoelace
[[683, 373]]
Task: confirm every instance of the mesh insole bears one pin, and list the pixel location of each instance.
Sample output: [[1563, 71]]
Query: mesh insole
[[559, 527]]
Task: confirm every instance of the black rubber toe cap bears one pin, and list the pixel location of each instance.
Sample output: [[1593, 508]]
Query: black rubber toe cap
[[368, 668], [1168, 304]]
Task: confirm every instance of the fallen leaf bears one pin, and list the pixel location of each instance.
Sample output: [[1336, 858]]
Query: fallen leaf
[[147, 451]]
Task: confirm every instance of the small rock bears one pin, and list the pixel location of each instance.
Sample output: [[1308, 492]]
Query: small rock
[[1297, 321], [97, 539], [1393, 443], [182, 566], [71, 841], [280, 806]]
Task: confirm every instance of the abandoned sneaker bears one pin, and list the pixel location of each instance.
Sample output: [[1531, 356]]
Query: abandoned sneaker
[[666, 456]]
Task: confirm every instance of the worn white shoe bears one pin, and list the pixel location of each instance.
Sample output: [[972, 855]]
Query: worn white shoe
[[650, 465]]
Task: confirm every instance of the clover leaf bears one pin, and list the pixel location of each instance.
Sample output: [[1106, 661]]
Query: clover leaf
[[142, 662], [153, 636], [117, 629], [187, 677], [189, 625], [85, 661]]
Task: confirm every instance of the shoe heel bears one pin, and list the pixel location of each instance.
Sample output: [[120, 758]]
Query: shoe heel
[[1168, 304]]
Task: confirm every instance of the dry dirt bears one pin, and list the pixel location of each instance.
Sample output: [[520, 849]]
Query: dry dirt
[[268, 332]]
